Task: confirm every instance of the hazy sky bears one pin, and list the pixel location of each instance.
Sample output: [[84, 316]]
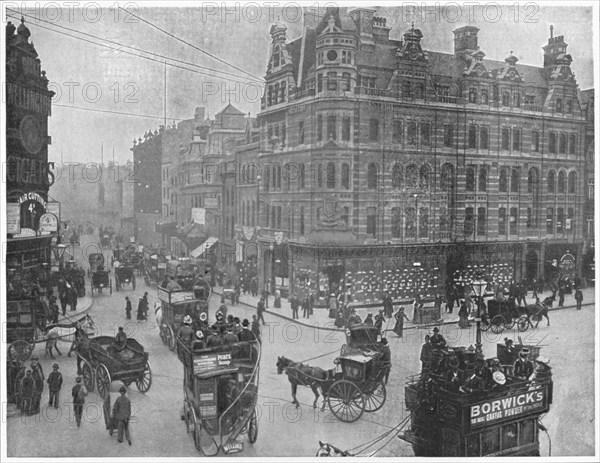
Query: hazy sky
[[83, 72]]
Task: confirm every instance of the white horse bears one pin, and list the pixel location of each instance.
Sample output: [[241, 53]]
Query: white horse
[[158, 313], [65, 332]]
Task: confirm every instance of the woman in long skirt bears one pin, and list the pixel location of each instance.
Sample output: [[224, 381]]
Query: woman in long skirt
[[463, 314], [400, 316]]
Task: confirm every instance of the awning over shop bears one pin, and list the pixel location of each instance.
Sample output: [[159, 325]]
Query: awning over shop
[[210, 241]]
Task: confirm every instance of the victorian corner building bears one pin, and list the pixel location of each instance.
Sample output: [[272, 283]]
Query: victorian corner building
[[376, 165], [32, 220]]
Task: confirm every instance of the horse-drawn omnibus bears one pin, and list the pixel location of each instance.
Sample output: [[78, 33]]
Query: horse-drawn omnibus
[[501, 420], [220, 393], [174, 306]]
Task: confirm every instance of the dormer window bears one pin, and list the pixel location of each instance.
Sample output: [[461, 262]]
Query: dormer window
[[569, 106], [559, 105], [276, 94], [276, 56], [505, 99]]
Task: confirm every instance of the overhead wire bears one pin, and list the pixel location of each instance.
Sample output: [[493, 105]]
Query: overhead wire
[[121, 46], [188, 43], [115, 112]]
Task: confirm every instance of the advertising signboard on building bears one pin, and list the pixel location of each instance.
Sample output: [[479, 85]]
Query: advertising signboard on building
[[13, 218]]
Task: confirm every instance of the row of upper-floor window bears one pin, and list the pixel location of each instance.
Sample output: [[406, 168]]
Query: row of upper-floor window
[[277, 93], [169, 196], [412, 222], [345, 56], [412, 176], [419, 133], [480, 95], [248, 213]]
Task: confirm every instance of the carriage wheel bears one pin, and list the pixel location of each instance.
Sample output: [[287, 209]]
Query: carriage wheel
[[497, 324], [375, 397], [102, 380], [170, 338], [195, 429], [20, 350], [510, 323], [253, 428], [346, 401], [523, 323], [144, 382], [88, 376]]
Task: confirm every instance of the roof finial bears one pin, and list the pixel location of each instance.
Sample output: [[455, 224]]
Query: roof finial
[[511, 52], [22, 19], [551, 31], [412, 25]]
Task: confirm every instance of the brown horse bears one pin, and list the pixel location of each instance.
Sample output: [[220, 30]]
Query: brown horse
[[303, 375], [539, 310]]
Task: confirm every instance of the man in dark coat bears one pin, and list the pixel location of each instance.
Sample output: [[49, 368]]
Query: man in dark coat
[[265, 296], [426, 355], [229, 337], [388, 305], [55, 381], [38, 377], [127, 308], [260, 308], [473, 383], [78, 393], [27, 393], [63, 292], [578, 298], [386, 359], [523, 367], [437, 341], [246, 335], [294, 306], [214, 340], [122, 414]]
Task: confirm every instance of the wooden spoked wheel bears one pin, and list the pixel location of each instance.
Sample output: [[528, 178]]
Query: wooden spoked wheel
[[171, 338], [253, 428], [144, 382], [103, 380], [375, 397], [88, 376], [346, 401], [497, 324], [523, 324], [20, 350]]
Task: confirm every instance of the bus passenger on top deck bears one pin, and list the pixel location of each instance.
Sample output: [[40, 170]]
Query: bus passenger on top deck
[[473, 383]]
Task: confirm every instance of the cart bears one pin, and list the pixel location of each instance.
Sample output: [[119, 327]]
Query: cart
[[501, 315], [356, 384], [105, 363], [220, 395], [96, 261], [26, 327], [101, 280], [174, 306], [155, 267], [124, 276]]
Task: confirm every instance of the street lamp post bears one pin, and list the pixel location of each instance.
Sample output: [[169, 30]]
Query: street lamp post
[[479, 289], [257, 199], [415, 195], [59, 252]]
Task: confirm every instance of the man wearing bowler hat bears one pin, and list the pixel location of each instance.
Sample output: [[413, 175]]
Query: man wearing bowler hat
[[473, 383], [55, 381], [437, 341], [122, 413]]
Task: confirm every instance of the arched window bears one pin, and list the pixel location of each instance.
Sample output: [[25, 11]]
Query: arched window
[[505, 99], [411, 176], [420, 91], [345, 176], [470, 178], [483, 175], [515, 180], [372, 176], [397, 176], [572, 181], [503, 181], [374, 129], [396, 222], [532, 180], [424, 177], [301, 176], [276, 56], [423, 222], [551, 182], [472, 95], [447, 177], [267, 177], [330, 175], [410, 224], [319, 175], [562, 180], [254, 218], [276, 94]]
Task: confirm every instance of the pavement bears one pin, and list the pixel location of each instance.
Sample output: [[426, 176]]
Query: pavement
[[84, 304], [320, 318]]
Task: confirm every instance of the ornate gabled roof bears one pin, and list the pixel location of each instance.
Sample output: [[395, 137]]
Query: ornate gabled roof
[[230, 110]]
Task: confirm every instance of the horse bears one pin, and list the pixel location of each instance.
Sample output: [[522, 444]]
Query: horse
[[328, 450], [539, 310], [303, 375], [55, 332]]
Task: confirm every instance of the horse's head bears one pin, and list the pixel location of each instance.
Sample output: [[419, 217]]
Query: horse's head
[[282, 363], [328, 450], [87, 325]]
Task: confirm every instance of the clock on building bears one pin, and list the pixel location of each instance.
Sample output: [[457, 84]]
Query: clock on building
[[30, 132]]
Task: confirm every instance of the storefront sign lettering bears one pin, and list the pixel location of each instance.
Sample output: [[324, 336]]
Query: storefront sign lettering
[[507, 407], [48, 224], [32, 197]]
